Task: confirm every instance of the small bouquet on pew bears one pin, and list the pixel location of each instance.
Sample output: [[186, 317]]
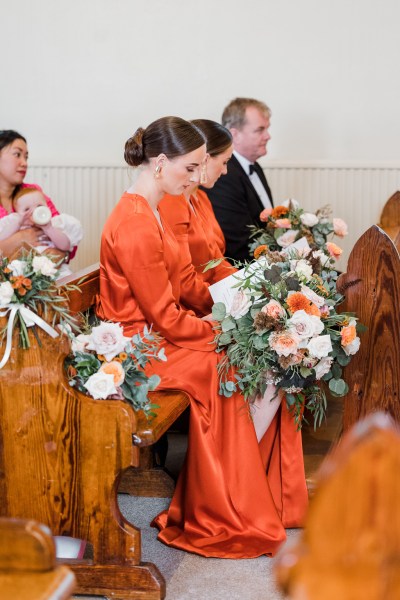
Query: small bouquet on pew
[[106, 364], [287, 223], [277, 323], [29, 295]]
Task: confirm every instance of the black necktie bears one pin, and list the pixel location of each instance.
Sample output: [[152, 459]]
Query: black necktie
[[252, 169]]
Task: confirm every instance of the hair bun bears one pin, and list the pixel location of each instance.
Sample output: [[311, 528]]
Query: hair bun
[[134, 151]]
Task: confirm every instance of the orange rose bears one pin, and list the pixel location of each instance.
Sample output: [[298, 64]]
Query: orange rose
[[333, 250]]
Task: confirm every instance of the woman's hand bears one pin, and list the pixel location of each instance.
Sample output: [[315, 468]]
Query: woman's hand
[[24, 237], [207, 318]]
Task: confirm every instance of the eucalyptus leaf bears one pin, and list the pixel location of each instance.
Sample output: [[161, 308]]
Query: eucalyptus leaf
[[228, 324], [338, 386], [218, 311]]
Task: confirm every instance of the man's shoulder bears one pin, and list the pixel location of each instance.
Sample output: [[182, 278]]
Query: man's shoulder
[[235, 169]]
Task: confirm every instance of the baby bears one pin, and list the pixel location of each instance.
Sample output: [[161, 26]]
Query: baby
[[61, 231]]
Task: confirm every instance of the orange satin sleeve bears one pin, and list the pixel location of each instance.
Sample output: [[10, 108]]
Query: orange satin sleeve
[[139, 286]]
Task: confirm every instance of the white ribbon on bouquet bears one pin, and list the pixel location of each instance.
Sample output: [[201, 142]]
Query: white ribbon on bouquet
[[30, 319]]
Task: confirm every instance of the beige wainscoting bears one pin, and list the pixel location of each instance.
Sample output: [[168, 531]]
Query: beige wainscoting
[[356, 191]]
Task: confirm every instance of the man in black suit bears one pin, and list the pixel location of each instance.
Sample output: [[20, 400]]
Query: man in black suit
[[239, 196]]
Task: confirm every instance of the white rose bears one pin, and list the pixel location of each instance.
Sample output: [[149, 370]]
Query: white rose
[[323, 258], [353, 347], [302, 268], [240, 305], [43, 265], [320, 346], [312, 296], [317, 324], [79, 343], [100, 385], [309, 219], [323, 367], [6, 293], [17, 267], [287, 238], [107, 339], [302, 324]]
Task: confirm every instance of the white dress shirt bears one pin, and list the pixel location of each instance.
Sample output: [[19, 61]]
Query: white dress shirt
[[255, 180]]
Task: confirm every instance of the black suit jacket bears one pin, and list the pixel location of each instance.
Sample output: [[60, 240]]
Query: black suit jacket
[[237, 205]]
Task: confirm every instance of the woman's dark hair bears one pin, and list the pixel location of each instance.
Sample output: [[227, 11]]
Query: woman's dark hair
[[8, 136], [171, 136], [218, 137]]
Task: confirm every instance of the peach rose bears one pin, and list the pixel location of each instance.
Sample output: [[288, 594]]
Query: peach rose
[[348, 334], [284, 342], [265, 214], [274, 309], [115, 369], [333, 250], [283, 223], [340, 227]]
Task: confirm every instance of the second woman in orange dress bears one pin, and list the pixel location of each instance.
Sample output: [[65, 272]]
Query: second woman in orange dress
[[191, 216]]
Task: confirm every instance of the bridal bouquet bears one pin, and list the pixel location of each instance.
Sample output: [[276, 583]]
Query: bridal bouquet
[[28, 294], [282, 327], [289, 222], [106, 364]]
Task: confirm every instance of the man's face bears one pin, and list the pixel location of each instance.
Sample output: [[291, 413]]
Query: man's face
[[251, 141]]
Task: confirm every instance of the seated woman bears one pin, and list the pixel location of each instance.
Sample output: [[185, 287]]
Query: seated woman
[[229, 502], [191, 216], [13, 167], [61, 231]]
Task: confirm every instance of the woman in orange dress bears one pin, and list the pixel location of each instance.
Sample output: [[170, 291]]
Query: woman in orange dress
[[228, 503], [191, 216]]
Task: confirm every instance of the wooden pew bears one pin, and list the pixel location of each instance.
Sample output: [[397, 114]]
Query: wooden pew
[[350, 547], [28, 568], [371, 287], [390, 219], [63, 455]]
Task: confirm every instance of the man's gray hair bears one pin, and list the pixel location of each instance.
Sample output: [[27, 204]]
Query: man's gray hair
[[234, 115]]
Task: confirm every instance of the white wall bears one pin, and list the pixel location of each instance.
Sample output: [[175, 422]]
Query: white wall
[[81, 75]]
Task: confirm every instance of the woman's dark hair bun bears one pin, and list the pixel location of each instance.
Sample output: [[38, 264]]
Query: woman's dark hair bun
[[134, 151]]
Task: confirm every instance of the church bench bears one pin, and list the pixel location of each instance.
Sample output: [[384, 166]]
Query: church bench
[[371, 286], [64, 457], [350, 545], [28, 568], [390, 219]]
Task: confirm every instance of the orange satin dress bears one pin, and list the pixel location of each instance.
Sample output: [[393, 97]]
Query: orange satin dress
[[231, 500], [198, 233]]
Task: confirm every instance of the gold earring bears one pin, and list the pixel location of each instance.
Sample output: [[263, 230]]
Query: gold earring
[[157, 172], [203, 175]]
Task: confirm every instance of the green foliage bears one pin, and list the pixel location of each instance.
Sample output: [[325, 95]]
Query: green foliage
[[250, 360]]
